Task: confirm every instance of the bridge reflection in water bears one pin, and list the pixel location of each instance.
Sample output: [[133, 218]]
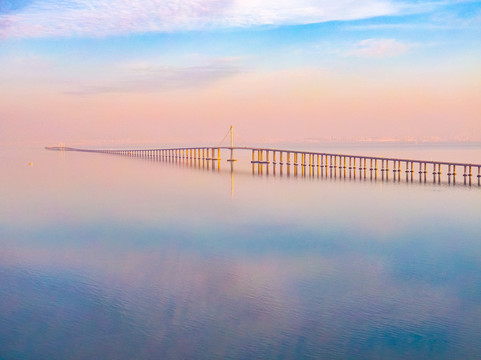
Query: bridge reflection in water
[[307, 163]]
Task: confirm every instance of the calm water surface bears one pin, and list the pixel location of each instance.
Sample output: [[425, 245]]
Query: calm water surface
[[104, 256]]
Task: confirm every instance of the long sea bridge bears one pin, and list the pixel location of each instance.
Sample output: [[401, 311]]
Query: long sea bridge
[[309, 163]]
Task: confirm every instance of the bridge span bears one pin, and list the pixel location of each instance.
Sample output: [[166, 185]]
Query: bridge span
[[309, 163]]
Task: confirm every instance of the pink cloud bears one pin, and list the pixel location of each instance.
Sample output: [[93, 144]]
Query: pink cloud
[[379, 48]]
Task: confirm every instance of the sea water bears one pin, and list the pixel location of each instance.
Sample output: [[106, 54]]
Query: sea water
[[105, 256]]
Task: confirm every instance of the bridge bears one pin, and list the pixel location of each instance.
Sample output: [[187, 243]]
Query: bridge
[[306, 163]]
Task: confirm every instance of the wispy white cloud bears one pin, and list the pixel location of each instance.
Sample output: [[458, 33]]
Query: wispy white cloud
[[379, 48], [148, 77], [56, 18], [441, 16]]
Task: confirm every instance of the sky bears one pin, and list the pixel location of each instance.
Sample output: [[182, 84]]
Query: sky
[[181, 72]]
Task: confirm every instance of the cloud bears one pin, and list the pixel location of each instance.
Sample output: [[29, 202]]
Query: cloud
[[92, 18], [151, 78], [379, 48]]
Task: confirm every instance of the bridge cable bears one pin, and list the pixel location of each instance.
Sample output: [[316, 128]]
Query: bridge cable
[[228, 132]]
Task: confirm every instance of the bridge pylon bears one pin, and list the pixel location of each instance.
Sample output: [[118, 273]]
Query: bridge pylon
[[231, 145]]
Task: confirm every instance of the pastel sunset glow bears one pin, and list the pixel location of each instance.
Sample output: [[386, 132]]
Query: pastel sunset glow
[[171, 71]]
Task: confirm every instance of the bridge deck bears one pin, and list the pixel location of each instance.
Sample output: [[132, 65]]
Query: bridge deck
[[286, 151]]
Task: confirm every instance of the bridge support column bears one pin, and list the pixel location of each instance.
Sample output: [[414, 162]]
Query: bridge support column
[[310, 164], [267, 161], [303, 164], [288, 163], [260, 156]]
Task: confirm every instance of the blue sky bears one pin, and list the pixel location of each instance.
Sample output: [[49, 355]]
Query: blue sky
[[79, 48]]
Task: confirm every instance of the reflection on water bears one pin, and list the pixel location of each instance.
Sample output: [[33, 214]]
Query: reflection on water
[[113, 257]]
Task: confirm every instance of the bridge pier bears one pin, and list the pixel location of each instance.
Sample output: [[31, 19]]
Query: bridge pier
[[303, 164], [310, 164], [259, 158]]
